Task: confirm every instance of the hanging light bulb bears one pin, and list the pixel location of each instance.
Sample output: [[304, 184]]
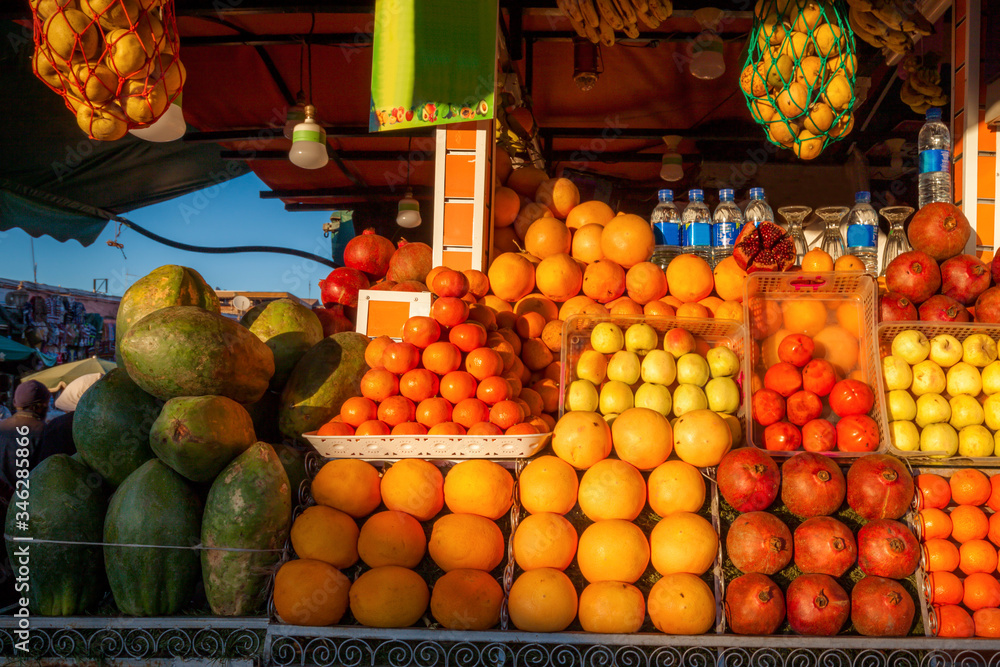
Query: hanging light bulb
[[168, 127], [295, 114], [587, 66], [309, 142], [671, 167], [706, 50], [409, 211]]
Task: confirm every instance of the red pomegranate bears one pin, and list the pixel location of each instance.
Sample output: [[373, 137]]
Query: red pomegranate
[[824, 545], [881, 607], [764, 248], [748, 479], [988, 306], [964, 278], [894, 307], [817, 605], [412, 261], [333, 320], [915, 275], [941, 308], [759, 542], [940, 230], [409, 286], [754, 605], [383, 285], [995, 268], [369, 253], [887, 548], [812, 485], [879, 487], [341, 287]]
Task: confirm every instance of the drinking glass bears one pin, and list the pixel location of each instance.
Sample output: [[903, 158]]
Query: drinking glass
[[896, 243], [794, 216], [833, 241]]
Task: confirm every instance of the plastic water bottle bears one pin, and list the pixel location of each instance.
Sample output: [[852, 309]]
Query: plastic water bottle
[[666, 222], [934, 144], [862, 232], [697, 221], [727, 221], [758, 209]]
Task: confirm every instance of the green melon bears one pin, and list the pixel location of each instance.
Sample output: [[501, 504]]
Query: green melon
[[289, 329]]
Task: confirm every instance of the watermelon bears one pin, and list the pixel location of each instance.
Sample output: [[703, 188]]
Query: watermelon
[[289, 329], [249, 507]]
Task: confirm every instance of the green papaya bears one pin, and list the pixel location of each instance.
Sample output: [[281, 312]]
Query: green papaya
[[199, 435], [65, 500], [249, 507], [289, 329], [294, 461], [188, 351], [111, 426], [168, 285], [154, 506], [326, 376]]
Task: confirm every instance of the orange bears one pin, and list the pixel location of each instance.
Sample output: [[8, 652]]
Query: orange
[[689, 278], [933, 523], [952, 621], [672, 301], [396, 410], [418, 384], [466, 600], [711, 302], [552, 335], [604, 281], [977, 556], [586, 244], [581, 305], [542, 600], [466, 541], [702, 438], [529, 214], [479, 282], [506, 413], [392, 538], [446, 428], [349, 485], [612, 550], [442, 357], [676, 486], [536, 355], [805, 316], [593, 212], [729, 280], [492, 390], [559, 277], [970, 487], [432, 274], [525, 180], [480, 487], [333, 428], [400, 357], [413, 486], [646, 282], [497, 304], [816, 260], [546, 237], [470, 411], [420, 331], [389, 597], [993, 535], [536, 405], [530, 325], [457, 386], [506, 206], [559, 194], [729, 310], [849, 317], [508, 352], [987, 622], [358, 409], [544, 540], [525, 428], [548, 484], [612, 607], [379, 384], [511, 276], [681, 604], [484, 428], [467, 336], [505, 239], [765, 318], [627, 240], [581, 439], [944, 588], [848, 263], [310, 592], [693, 310], [623, 305], [372, 427], [483, 315], [323, 533], [433, 411], [373, 352], [503, 164], [483, 362], [993, 502], [449, 311], [683, 542], [408, 428], [658, 309], [838, 346], [940, 556], [612, 489], [968, 522]]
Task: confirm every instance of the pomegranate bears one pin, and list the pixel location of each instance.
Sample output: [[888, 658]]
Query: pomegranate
[[410, 286], [988, 306], [879, 487], [964, 278], [894, 307], [915, 275], [341, 287], [764, 248], [812, 485], [748, 479], [817, 605], [881, 607], [940, 230], [995, 269], [824, 545], [333, 320], [369, 253], [754, 605], [941, 308], [887, 548], [759, 542], [383, 285], [412, 261]]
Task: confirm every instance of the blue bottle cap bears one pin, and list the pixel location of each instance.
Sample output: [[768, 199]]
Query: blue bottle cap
[[696, 195], [934, 113], [726, 194], [665, 195], [863, 197], [756, 193]]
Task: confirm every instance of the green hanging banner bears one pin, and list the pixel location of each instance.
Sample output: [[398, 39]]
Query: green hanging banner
[[432, 62]]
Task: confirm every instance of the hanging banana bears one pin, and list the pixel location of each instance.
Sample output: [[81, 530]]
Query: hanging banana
[[597, 20]]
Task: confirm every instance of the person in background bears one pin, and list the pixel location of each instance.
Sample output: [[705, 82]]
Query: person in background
[[70, 396], [24, 429], [4, 410]]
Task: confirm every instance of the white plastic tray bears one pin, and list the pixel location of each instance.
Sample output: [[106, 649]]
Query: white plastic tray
[[428, 446]]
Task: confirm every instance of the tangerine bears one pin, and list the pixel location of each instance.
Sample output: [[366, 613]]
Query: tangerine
[[627, 240], [349, 485], [479, 487], [374, 350], [397, 358], [413, 486], [944, 588], [987, 622], [484, 428], [470, 411], [993, 535], [593, 212], [492, 390], [612, 489], [466, 541], [623, 305], [466, 599], [548, 484], [418, 384], [695, 310], [467, 336], [658, 309], [358, 409], [479, 282], [483, 362], [525, 180], [389, 597], [529, 325], [483, 315], [940, 556], [373, 427], [457, 386], [993, 502], [933, 523], [848, 263], [977, 556], [970, 487], [420, 331], [450, 311], [506, 413], [535, 355], [446, 428], [586, 245], [379, 384], [689, 278], [545, 539], [542, 600], [333, 428], [612, 550], [408, 428], [442, 358], [952, 621], [932, 491], [448, 283], [395, 410]]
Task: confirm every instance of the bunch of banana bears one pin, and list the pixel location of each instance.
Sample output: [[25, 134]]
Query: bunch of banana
[[889, 24], [922, 90], [597, 20]]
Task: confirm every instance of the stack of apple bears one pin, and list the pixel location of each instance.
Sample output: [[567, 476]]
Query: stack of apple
[[941, 392]]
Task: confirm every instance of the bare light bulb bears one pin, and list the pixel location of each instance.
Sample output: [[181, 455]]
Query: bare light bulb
[[408, 215], [707, 61], [309, 143], [168, 127]]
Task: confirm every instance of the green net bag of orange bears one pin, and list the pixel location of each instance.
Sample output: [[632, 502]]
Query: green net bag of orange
[[798, 78]]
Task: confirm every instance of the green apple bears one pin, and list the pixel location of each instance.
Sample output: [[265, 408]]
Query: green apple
[[991, 379], [896, 373], [991, 408], [900, 405], [659, 366], [975, 441], [592, 365], [996, 444], [928, 378], [624, 366], [940, 439], [616, 397], [723, 362], [723, 395], [692, 369], [979, 350], [932, 409], [607, 337], [904, 435], [911, 346], [964, 378], [582, 395], [946, 350], [965, 411], [641, 338], [655, 397], [688, 397]]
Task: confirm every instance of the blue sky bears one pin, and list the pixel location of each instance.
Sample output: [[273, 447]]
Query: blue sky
[[229, 214]]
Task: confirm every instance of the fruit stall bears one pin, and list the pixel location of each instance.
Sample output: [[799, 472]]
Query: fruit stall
[[563, 422]]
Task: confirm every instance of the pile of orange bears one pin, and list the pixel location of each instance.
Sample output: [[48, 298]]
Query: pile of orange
[[960, 530]]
